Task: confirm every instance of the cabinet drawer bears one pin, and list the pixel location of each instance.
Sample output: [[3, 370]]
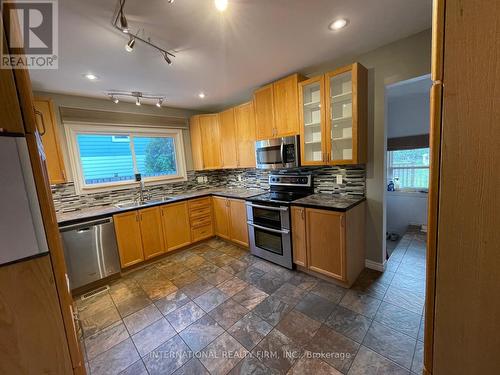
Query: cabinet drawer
[[200, 212], [201, 233], [201, 221], [199, 203]]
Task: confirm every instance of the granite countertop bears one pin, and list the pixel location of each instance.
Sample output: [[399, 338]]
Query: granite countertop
[[65, 218], [327, 201]]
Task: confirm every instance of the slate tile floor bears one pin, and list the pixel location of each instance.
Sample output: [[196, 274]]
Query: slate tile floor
[[216, 309]]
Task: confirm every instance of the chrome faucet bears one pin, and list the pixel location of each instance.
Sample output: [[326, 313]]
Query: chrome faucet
[[142, 186]]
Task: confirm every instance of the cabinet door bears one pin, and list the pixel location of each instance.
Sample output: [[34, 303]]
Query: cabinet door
[[312, 121], [238, 229], [210, 135], [12, 121], [176, 228], [299, 236], [46, 121], [346, 114], [128, 237], [153, 243], [196, 143], [221, 217], [286, 106], [244, 116], [228, 139], [264, 112], [325, 231]]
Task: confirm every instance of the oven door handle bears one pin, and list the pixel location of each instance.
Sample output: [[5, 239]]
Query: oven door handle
[[271, 208], [282, 231]]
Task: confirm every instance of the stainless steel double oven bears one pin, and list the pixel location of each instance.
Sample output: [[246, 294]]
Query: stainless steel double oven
[[268, 217]]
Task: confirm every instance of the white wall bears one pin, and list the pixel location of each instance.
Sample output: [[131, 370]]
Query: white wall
[[405, 209], [408, 115]]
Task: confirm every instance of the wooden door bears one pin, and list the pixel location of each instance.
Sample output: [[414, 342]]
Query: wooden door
[[313, 133], [31, 324], [286, 106], [210, 136], [128, 237], [153, 243], [176, 228], [325, 231], [47, 123], [244, 116], [221, 216], [196, 143], [238, 228], [263, 102], [346, 114], [228, 139], [299, 243], [463, 259]]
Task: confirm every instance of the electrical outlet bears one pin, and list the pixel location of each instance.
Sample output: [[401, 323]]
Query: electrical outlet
[[205, 179], [339, 179], [199, 179], [239, 177]]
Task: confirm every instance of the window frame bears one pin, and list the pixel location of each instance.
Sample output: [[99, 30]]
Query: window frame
[[390, 169], [72, 129]]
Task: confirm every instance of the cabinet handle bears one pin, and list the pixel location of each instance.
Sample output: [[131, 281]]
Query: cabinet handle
[[342, 221], [302, 214], [37, 112]]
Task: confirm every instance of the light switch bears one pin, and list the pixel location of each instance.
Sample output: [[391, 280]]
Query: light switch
[[339, 179], [199, 179], [239, 177]]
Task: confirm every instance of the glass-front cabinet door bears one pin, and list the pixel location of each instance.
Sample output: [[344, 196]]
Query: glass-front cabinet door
[[312, 118]]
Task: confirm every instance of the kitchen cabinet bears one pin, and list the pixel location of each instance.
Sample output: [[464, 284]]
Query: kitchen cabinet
[[211, 139], [333, 117], [263, 99], [221, 216], [228, 139], [231, 220], [330, 243], [47, 125], [12, 121], [175, 223], [196, 143], [128, 238], [153, 243], [238, 228], [244, 117], [299, 236], [276, 108], [200, 218]]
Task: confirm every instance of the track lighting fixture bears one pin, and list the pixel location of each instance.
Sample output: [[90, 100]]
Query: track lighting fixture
[[129, 47], [139, 97], [120, 22]]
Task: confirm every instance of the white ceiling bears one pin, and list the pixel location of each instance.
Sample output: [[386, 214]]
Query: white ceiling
[[224, 55]]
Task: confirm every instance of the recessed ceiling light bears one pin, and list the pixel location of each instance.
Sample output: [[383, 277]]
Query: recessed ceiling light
[[91, 77], [338, 24], [221, 5], [201, 95]]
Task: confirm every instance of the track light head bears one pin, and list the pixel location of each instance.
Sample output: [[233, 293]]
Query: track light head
[[167, 59], [138, 101], [123, 22], [159, 102], [114, 99], [129, 47], [170, 1]]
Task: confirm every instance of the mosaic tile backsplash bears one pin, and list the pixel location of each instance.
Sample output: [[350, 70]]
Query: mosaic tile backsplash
[[66, 200]]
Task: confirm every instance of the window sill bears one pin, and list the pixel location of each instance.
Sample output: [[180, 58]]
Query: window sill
[[128, 185], [408, 193]]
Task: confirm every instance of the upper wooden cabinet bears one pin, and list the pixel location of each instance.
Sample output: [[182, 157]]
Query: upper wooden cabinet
[[12, 122], [333, 117], [47, 126], [244, 116], [276, 108], [263, 99], [196, 143], [211, 139], [228, 139]]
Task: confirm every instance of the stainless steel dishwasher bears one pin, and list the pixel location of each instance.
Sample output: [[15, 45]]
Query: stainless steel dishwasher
[[91, 251]]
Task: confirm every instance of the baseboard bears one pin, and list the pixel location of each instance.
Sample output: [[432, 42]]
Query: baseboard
[[374, 265]]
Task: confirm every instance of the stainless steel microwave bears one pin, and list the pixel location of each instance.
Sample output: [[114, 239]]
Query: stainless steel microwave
[[277, 153]]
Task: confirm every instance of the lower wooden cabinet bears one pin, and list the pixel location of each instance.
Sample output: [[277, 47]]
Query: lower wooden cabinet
[[231, 219], [153, 243], [330, 243], [175, 223], [128, 237]]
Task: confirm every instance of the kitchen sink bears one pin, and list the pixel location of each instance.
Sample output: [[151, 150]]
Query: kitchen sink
[[140, 204], [127, 204]]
